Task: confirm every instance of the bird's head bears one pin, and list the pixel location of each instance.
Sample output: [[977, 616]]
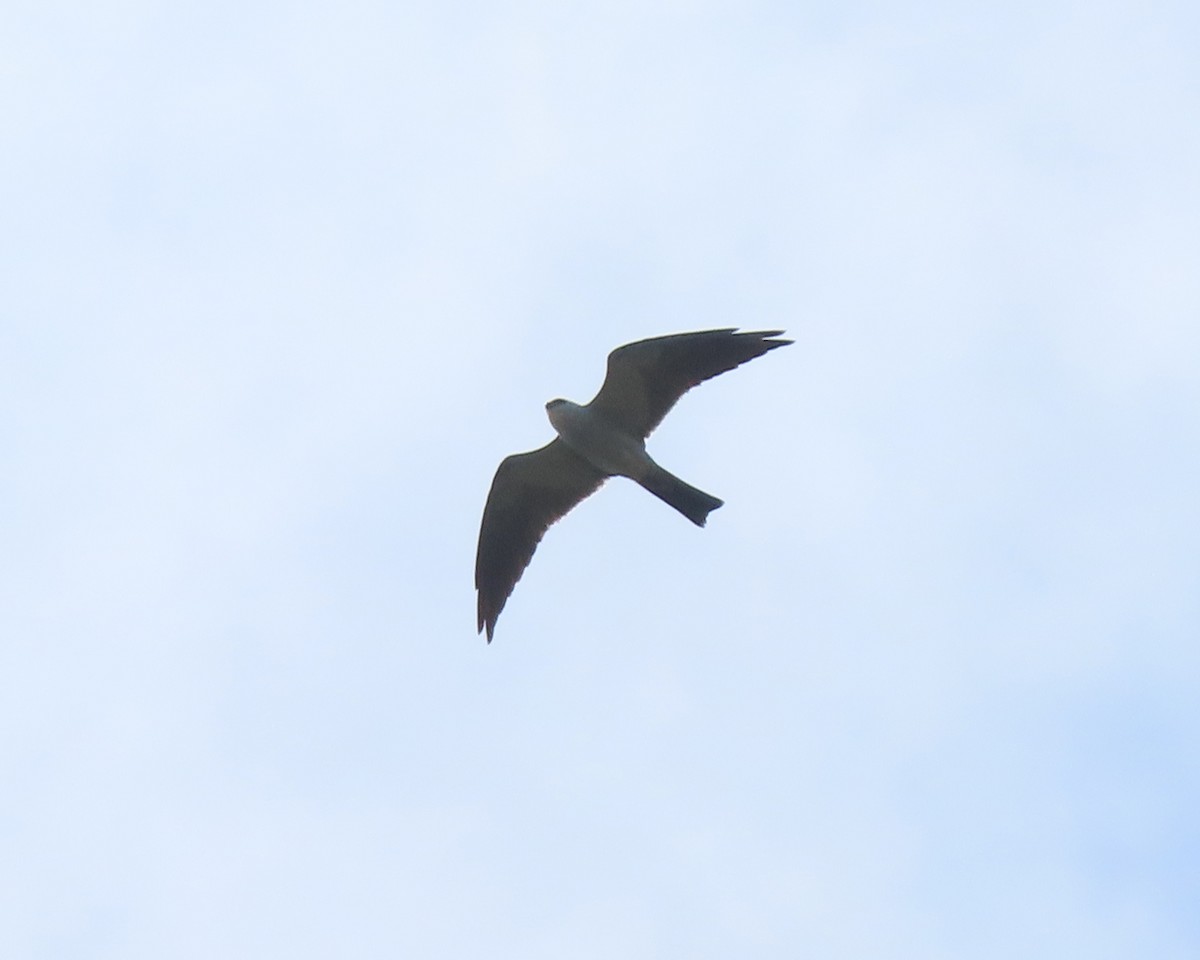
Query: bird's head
[[559, 412]]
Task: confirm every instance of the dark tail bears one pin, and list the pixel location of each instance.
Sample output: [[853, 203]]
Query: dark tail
[[694, 504]]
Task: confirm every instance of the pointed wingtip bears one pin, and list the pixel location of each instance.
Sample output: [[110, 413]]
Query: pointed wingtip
[[766, 340], [481, 622]]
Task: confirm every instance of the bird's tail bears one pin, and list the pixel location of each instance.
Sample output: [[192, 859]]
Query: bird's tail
[[694, 504]]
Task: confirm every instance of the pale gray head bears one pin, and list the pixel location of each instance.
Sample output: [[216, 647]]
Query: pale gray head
[[556, 402]]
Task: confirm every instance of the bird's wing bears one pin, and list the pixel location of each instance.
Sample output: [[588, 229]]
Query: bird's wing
[[529, 492], [646, 378]]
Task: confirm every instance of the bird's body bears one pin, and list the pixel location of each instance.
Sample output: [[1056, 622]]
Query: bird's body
[[618, 453], [604, 438], [613, 452]]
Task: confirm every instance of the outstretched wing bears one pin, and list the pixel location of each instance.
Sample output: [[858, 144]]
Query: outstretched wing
[[646, 378], [529, 492]]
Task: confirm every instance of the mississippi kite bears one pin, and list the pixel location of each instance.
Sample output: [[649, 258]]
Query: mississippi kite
[[606, 438]]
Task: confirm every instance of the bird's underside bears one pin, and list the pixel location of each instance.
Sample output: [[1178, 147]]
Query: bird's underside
[[604, 438]]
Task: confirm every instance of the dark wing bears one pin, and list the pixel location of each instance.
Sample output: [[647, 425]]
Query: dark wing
[[529, 492], [645, 378]]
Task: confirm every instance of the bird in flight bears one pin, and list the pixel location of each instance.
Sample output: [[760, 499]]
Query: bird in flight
[[605, 438]]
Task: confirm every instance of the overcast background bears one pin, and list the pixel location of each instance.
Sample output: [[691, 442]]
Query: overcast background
[[282, 283]]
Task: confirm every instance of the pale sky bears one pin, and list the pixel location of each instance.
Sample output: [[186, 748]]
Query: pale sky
[[281, 284]]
